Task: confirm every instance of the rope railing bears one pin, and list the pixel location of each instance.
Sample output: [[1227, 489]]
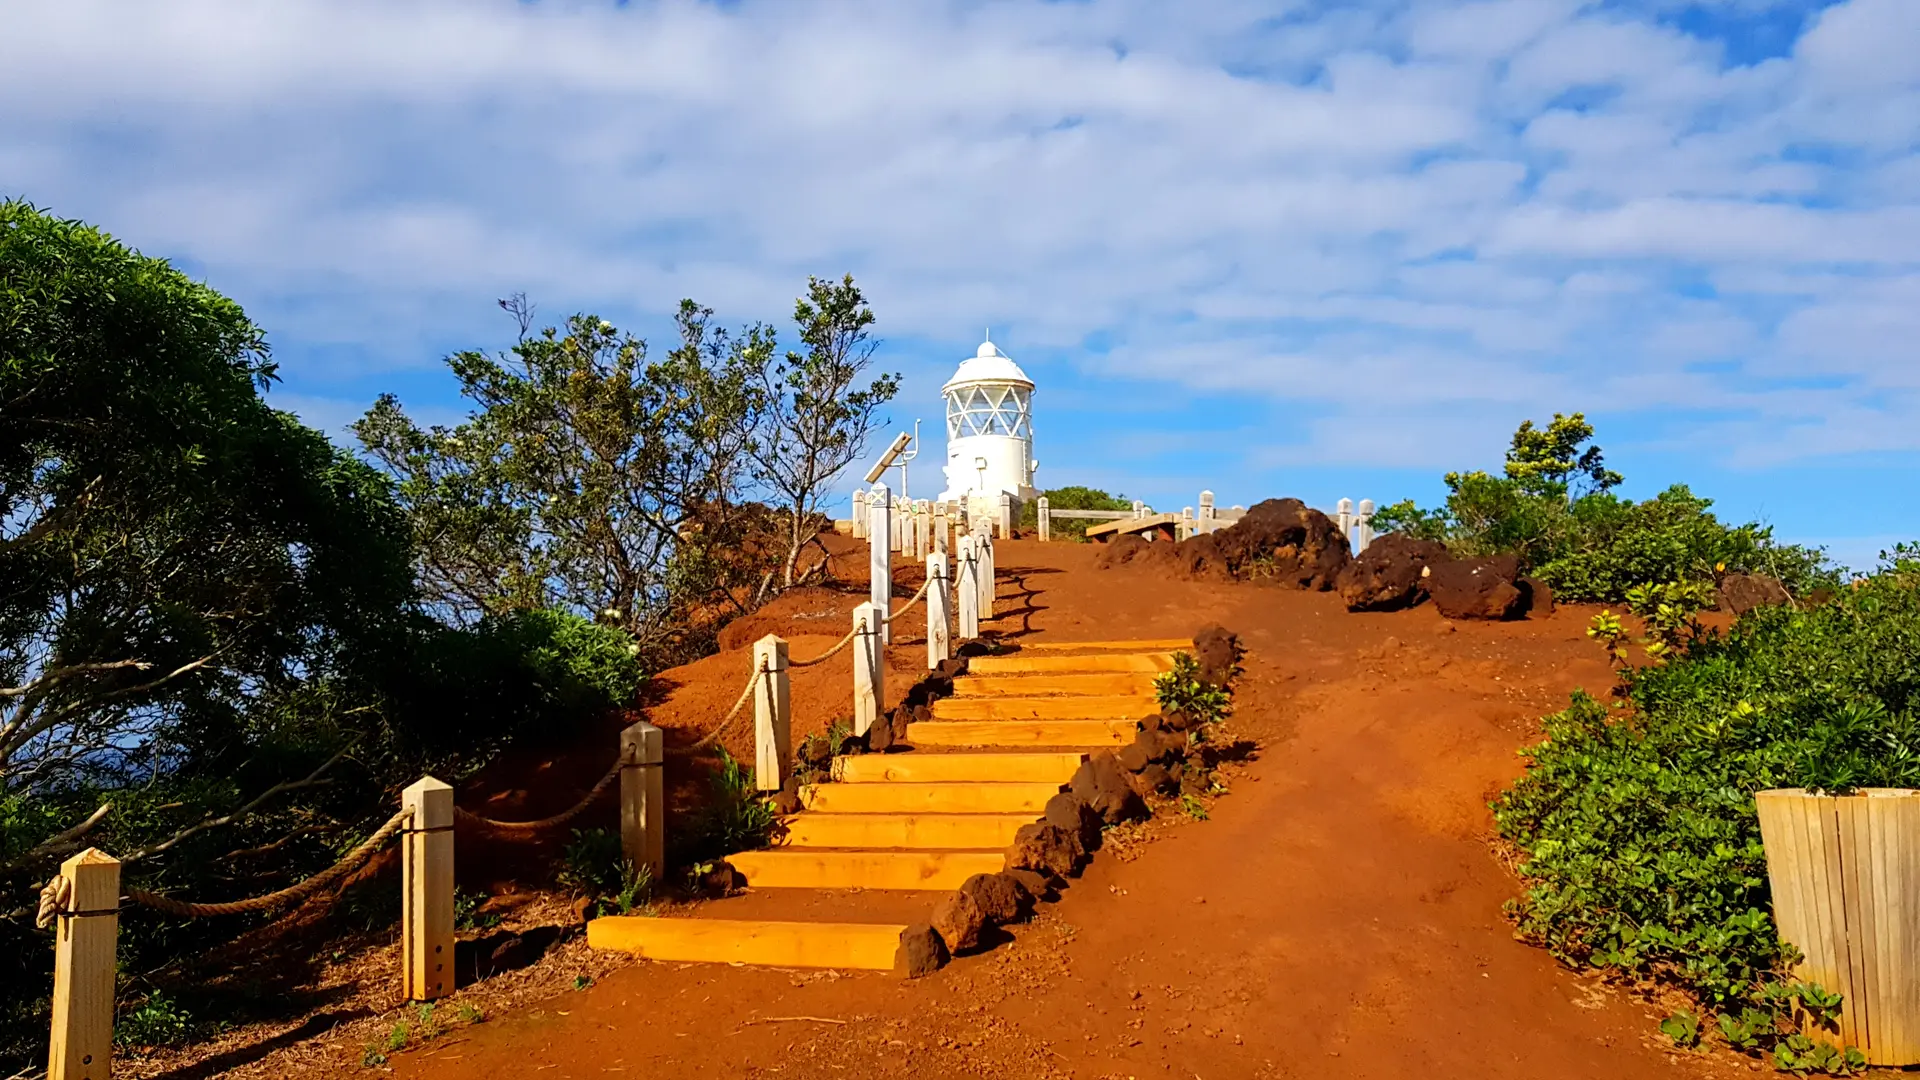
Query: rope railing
[[908, 606], [858, 629], [54, 898], [746, 695], [560, 818]]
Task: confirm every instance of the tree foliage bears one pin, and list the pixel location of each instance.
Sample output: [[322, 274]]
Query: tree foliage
[[1556, 511], [1072, 497]]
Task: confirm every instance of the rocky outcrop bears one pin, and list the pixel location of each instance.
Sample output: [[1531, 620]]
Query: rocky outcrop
[[1476, 588], [1741, 593], [1102, 784], [1390, 574], [1286, 541], [1539, 597], [1218, 651]]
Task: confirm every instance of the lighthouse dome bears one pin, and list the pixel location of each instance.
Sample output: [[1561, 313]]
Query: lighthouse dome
[[988, 365]]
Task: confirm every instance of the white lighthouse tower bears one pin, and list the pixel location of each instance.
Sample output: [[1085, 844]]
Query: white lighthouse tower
[[989, 428]]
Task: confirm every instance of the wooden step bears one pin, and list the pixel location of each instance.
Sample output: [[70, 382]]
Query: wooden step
[[1104, 684], [1090, 733], [1113, 707], [1143, 646], [820, 869], [1144, 663], [858, 946], [987, 797], [1021, 768], [920, 831]]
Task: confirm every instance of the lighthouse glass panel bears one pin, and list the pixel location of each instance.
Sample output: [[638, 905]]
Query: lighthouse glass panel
[[989, 410]]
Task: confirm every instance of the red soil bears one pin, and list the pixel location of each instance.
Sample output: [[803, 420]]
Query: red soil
[[1338, 916]]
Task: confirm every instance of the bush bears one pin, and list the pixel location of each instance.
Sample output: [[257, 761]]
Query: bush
[[733, 818], [1073, 497], [1637, 821]]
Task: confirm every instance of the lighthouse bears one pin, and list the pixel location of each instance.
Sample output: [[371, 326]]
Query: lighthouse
[[989, 428]]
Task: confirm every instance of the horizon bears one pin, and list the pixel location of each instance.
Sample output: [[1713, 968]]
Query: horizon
[[1288, 249]]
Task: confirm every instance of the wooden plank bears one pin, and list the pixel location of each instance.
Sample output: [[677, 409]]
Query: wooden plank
[[910, 830], [1084, 707], [1133, 525], [1089, 733], [931, 798], [1144, 645], [85, 938], [643, 801], [852, 946], [1853, 967], [1144, 663], [1096, 684], [816, 869], [426, 889], [1053, 768]]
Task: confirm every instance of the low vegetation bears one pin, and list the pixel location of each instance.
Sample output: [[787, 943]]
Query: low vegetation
[[1554, 508], [1636, 816], [1072, 497]]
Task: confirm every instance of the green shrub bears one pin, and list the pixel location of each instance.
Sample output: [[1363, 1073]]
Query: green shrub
[[594, 866], [1073, 497], [1182, 690], [733, 818], [1637, 821], [157, 1021]]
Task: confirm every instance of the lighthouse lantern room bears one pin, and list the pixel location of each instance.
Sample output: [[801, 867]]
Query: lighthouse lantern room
[[989, 428]]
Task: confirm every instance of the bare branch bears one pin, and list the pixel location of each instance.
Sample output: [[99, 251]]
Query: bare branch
[[312, 779], [62, 840]]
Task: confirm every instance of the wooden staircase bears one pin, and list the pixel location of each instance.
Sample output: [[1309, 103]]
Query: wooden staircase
[[1014, 732]]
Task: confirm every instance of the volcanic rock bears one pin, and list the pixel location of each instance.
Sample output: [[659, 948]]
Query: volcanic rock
[[1103, 785], [1741, 593], [921, 951], [1388, 575], [1476, 588]]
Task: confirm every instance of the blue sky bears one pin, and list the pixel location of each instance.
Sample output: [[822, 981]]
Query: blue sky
[[1284, 248]]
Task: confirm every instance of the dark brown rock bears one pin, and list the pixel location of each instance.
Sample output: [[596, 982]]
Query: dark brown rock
[[1537, 597], [952, 668], [1037, 886], [1103, 785], [921, 951], [1390, 574], [853, 744], [1122, 550], [1285, 541], [817, 753], [1000, 897], [1169, 746], [1195, 780], [880, 735], [1133, 757], [1046, 848], [1178, 721], [1741, 593], [1475, 588], [1153, 778], [1152, 722], [1218, 651], [1198, 558], [721, 879], [1071, 812], [958, 920], [785, 803]]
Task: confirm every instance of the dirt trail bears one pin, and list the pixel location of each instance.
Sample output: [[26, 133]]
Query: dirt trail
[[1339, 915]]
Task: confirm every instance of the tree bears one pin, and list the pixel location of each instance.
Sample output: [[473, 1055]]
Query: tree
[[586, 477], [818, 419], [1549, 461]]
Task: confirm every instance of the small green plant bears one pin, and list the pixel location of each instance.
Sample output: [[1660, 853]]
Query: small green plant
[[1193, 807], [466, 907], [397, 1037], [1671, 612], [1605, 628], [371, 1057], [424, 1013], [1683, 1027], [1183, 690], [1748, 1030], [594, 866], [470, 1014], [157, 1021], [734, 818], [581, 982], [1801, 1055]]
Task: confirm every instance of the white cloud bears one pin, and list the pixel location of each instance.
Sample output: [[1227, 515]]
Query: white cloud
[[1416, 214]]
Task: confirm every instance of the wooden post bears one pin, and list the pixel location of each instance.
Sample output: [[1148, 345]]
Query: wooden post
[[1343, 517], [426, 892], [869, 666], [969, 589], [983, 554], [83, 968], [939, 646], [1004, 515], [1186, 522], [1139, 509], [772, 714], [1205, 522], [880, 552], [1364, 519], [859, 515], [941, 540], [643, 798], [1043, 517]]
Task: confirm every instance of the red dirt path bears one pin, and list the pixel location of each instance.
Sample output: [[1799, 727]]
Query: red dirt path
[[1339, 915]]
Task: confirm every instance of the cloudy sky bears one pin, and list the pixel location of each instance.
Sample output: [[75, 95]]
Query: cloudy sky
[[1315, 249]]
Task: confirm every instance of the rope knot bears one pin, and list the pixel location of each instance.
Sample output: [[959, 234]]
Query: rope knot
[[54, 896]]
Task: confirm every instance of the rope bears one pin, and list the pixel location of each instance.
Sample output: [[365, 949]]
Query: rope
[[908, 606], [859, 628], [560, 818], [347, 863], [746, 692], [53, 900]]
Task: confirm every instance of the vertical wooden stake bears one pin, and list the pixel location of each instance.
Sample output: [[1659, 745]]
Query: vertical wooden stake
[[969, 589], [426, 886], [939, 645], [1363, 520], [1343, 517], [859, 515], [643, 801], [880, 552], [1186, 522], [983, 556], [83, 969], [1043, 518], [1004, 515], [869, 666], [1205, 522], [941, 540], [772, 714]]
